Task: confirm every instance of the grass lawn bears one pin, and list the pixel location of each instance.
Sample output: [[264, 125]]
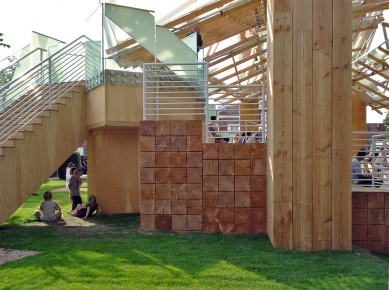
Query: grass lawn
[[111, 252]]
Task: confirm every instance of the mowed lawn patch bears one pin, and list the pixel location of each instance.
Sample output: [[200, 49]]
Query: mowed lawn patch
[[111, 252]]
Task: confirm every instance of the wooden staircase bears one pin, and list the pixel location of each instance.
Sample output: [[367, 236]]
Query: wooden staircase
[[38, 148]]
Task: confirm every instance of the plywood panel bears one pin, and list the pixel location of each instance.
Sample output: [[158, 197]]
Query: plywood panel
[[246, 118], [124, 105], [96, 107], [117, 193], [24, 168], [358, 123]]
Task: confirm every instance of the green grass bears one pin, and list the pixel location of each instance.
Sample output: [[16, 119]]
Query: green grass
[[111, 252]]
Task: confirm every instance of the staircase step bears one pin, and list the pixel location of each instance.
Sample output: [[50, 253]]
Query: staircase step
[[18, 135], [28, 108], [8, 144], [10, 115], [55, 90], [25, 128], [24, 103], [37, 120]]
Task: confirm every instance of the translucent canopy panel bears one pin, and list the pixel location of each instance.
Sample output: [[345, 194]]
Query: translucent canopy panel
[[138, 24], [171, 49], [94, 47], [41, 47]]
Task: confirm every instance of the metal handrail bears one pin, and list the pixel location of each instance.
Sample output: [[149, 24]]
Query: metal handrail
[[183, 90], [3, 70], [40, 87], [43, 61], [371, 150], [233, 125]]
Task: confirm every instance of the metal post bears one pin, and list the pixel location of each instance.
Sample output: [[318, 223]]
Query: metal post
[[42, 66], [263, 114], [144, 90], [3, 101], [206, 102], [50, 93]]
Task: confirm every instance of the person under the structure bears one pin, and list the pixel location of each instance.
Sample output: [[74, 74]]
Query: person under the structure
[[49, 210], [85, 211]]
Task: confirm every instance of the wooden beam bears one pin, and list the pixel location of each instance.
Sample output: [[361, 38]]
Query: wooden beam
[[378, 5]]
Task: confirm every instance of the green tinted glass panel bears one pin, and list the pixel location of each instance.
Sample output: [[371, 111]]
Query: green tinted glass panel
[[191, 41], [138, 24], [172, 49], [94, 47]]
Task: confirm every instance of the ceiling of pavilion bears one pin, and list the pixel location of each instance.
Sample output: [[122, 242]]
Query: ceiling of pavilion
[[234, 36]]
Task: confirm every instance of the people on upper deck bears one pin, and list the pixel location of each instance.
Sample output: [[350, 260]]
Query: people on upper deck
[[196, 29]]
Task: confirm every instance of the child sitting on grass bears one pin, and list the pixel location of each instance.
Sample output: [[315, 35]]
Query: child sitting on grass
[[49, 211], [84, 211]]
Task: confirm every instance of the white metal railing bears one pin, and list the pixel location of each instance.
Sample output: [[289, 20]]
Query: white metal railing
[[3, 72], [174, 90], [370, 160], [41, 86], [181, 91], [239, 114]]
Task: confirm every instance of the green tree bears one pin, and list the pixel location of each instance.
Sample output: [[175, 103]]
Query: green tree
[[2, 43]]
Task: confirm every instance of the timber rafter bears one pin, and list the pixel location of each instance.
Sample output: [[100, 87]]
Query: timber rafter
[[242, 24]]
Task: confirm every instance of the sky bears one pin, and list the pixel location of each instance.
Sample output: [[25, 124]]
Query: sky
[[65, 19]]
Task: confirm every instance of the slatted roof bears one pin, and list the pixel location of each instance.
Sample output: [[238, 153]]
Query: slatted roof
[[234, 36]]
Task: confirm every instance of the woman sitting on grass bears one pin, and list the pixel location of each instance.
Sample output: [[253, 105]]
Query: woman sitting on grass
[[84, 211], [49, 211]]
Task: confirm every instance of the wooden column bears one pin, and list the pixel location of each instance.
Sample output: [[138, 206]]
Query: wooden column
[[309, 124]]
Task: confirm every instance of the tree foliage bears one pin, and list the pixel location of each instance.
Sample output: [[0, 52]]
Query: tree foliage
[[2, 43]]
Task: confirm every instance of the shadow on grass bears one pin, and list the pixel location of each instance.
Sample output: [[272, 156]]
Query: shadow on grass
[[115, 247]]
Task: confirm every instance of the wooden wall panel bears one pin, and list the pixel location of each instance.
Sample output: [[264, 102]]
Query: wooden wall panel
[[341, 152], [302, 140], [279, 179], [113, 169], [302, 15], [96, 107], [322, 143], [358, 123], [124, 105], [322, 24], [307, 150], [27, 166], [342, 19], [247, 109]]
